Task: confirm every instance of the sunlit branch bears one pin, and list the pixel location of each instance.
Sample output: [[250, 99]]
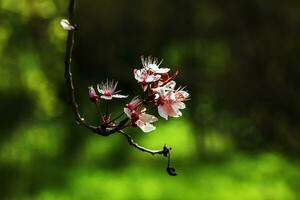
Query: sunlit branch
[[164, 151]]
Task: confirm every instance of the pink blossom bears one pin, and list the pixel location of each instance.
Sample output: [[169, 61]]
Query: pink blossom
[[137, 113], [150, 72], [144, 76], [108, 90], [169, 100]]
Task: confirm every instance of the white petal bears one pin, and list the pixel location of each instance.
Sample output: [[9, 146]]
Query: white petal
[[162, 112], [154, 67], [160, 92], [137, 75], [172, 96], [119, 96], [147, 127], [152, 78], [106, 97], [147, 118], [149, 79], [170, 86], [127, 112], [180, 105], [184, 94], [162, 70], [176, 110], [100, 90]]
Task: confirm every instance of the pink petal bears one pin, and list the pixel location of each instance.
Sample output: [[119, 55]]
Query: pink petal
[[170, 110], [147, 118], [162, 112], [181, 95], [176, 110]]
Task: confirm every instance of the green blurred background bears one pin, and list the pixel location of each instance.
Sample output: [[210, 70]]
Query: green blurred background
[[237, 139]]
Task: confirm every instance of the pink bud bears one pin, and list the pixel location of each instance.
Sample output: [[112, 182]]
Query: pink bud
[[92, 95]]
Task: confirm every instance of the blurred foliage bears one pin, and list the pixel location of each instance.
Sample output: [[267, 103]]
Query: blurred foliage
[[238, 139]]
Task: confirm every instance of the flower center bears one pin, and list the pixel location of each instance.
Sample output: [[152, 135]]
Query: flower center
[[160, 101], [134, 118], [107, 93]]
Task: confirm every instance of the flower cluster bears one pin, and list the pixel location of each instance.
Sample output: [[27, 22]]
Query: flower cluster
[[160, 88], [161, 93]]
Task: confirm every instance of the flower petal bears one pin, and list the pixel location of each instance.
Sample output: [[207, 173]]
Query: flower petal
[[119, 96], [152, 78], [170, 86], [106, 97], [100, 90], [180, 105], [127, 112], [146, 127], [162, 70], [170, 110], [153, 66], [175, 109], [147, 118], [138, 75], [162, 112]]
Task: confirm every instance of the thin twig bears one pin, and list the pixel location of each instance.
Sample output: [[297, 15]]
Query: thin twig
[[68, 74], [98, 110], [106, 108], [164, 151]]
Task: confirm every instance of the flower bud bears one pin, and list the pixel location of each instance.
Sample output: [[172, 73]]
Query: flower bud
[[66, 25], [92, 95]]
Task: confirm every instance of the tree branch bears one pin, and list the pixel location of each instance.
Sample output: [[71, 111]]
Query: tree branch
[[69, 80], [68, 74], [103, 130]]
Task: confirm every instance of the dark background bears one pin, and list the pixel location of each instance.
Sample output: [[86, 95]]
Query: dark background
[[238, 137]]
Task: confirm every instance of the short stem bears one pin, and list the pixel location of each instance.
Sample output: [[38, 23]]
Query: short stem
[[106, 108], [114, 119], [98, 109]]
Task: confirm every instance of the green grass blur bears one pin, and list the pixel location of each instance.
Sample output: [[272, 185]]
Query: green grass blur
[[238, 137]]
